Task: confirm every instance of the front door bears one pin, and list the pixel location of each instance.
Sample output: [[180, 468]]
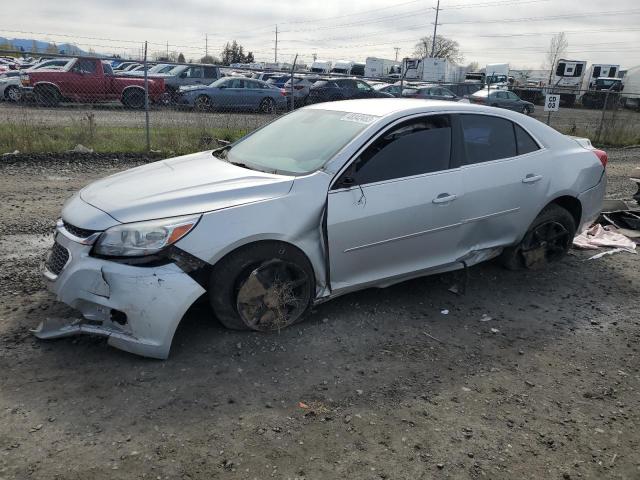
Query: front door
[[394, 210]]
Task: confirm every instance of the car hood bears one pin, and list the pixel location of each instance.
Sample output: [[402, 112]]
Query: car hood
[[194, 88], [181, 186]]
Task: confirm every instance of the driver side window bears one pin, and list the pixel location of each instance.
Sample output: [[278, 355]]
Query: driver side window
[[363, 87], [414, 147]]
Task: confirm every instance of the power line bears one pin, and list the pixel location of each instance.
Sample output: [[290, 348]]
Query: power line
[[552, 17]]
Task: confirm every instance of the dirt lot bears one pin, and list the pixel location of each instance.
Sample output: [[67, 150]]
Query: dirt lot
[[393, 388]]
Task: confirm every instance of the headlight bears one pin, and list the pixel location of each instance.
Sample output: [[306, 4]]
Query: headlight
[[143, 238]]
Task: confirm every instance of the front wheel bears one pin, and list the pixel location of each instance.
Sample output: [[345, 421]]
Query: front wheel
[[203, 103], [548, 240], [12, 93], [526, 110], [266, 286]]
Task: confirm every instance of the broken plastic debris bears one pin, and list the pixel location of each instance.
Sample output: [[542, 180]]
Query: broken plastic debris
[[485, 318], [495, 330], [303, 405], [444, 312]]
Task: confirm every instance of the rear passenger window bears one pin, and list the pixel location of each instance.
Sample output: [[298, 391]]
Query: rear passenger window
[[411, 148], [487, 138], [524, 142]]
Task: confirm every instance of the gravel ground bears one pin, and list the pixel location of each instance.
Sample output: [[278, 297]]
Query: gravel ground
[[375, 385]]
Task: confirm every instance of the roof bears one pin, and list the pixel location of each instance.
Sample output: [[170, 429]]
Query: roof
[[381, 107]]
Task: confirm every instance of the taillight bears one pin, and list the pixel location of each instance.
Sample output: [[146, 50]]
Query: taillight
[[602, 156], [25, 80], [283, 92]]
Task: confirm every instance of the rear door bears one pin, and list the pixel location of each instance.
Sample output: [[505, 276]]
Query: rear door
[[395, 209], [505, 176]]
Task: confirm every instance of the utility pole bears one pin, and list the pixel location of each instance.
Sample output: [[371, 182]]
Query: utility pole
[[167, 50], [206, 45], [276, 49], [397, 49], [435, 30], [315, 56]]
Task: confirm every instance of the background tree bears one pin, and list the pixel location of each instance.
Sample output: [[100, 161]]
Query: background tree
[[444, 48], [209, 59], [34, 46], [234, 53], [7, 46], [249, 58], [557, 49], [52, 48], [181, 58], [473, 67]]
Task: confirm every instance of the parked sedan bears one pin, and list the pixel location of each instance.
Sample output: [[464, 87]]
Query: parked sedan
[[393, 90], [326, 200], [502, 99], [430, 92], [10, 86], [342, 89], [234, 93]]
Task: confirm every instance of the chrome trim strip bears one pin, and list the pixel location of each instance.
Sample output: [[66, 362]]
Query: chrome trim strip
[[433, 230], [496, 214], [90, 240], [403, 237]]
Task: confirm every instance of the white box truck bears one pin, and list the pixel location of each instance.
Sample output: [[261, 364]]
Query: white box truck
[[567, 80], [433, 70], [380, 67], [321, 66], [343, 67]]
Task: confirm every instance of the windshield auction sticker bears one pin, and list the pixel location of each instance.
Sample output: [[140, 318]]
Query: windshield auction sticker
[[359, 118]]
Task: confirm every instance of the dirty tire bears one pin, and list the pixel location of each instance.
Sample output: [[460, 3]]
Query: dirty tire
[[47, 96], [237, 269], [556, 223], [12, 93], [267, 105], [133, 98]]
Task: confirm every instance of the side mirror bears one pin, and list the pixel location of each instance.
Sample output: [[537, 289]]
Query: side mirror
[[183, 75]]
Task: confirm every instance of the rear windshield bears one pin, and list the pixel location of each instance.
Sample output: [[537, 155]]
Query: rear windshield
[[300, 142]]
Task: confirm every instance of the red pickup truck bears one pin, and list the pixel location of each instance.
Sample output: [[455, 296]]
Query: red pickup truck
[[88, 80]]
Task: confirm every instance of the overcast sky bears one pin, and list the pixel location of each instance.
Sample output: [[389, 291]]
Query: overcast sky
[[489, 31]]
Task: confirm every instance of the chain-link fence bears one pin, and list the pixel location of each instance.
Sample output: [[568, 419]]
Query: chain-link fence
[[61, 103]]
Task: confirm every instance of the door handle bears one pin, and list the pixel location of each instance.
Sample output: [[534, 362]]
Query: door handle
[[531, 178], [444, 198]]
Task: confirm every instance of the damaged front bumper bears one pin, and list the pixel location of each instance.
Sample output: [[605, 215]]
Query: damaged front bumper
[[137, 307]]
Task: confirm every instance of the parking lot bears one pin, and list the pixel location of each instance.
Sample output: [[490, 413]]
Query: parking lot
[[529, 375]]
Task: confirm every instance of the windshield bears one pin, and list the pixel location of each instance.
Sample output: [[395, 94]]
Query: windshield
[[300, 142], [177, 69]]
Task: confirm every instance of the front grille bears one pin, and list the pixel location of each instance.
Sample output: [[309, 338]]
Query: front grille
[[77, 231], [57, 259]]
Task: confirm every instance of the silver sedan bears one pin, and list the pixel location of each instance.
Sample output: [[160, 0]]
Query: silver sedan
[[326, 200]]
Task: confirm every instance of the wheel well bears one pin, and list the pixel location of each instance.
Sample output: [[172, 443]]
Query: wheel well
[[572, 205], [40, 86], [251, 245]]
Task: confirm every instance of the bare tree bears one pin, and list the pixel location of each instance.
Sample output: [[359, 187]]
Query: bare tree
[[473, 66], [444, 48], [557, 48]]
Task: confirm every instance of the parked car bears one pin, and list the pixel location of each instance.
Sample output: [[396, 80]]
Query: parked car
[[462, 89], [326, 200], [392, 89], [87, 80], [10, 86], [279, 80], [430, 92], [153, 70], [185, 75], [234, 93], [502, 99], [52, 64], [301, 89], [342, 89]]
